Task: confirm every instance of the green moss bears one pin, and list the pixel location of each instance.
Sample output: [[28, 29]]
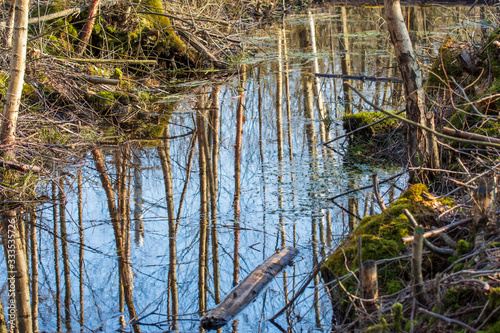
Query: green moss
[[162, 23], [397, 316], [381, 237], [463, 247], [393, 287], [370, 139], [456, 297]]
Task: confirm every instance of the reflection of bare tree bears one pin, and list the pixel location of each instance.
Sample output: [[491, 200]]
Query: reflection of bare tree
[[237, 174], [81, 248], [345, 57], [65, 256], [17, 267], [138, 202], [34, 271], [55, 216], [124, 271], [166, 166], [211, 146], [313, 172], [202, 163]]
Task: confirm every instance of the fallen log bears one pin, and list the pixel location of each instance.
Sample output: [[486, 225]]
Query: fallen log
[[469, 136], [248, 289]]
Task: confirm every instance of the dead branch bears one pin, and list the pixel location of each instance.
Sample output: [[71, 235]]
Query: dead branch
[[448, 320], [439, 230], [468, 135]]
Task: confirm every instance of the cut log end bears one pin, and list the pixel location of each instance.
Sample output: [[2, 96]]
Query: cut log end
[[212, 323]]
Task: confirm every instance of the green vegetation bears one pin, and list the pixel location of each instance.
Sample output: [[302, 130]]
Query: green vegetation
[[381, 236], [372, 139]]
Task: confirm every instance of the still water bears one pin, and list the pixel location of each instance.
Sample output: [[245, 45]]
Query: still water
[[259, 190]]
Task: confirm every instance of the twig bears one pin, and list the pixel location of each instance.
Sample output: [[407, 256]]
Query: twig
[[441, 135], [377, 192], [448, 320], [367, 186], [109, 61], [429, 245], [439, 230], [301, 290]]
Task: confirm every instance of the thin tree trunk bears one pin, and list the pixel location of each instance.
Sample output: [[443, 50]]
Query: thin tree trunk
[[124, 272], [65, 256], [9, 25], [86, 31], [16, 76], [34, 272], [17, 268], [412, 80], [164, 153], [55, 216], [81, 248]]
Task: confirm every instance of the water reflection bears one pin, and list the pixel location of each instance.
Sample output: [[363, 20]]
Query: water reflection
[[239, 173]]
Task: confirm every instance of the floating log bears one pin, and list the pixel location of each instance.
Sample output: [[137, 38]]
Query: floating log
[[248, 289]]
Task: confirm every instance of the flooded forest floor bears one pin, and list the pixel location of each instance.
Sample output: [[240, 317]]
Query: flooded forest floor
[[163, 150]]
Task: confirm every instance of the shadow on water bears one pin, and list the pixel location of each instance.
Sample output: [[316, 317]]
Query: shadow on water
[[205, 209]]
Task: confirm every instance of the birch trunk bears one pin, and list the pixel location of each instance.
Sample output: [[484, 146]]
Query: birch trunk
[[412, 80], [16, 76]]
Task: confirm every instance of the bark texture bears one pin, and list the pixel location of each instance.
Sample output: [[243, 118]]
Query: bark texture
[[16, 74], [412, 80]]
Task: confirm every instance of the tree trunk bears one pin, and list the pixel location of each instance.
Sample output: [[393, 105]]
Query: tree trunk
[[412, 80], [16, 76], [87, 28]]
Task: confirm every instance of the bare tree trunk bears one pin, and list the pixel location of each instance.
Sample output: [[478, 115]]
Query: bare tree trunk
[[17, 268], [16, 76], [9, 25], [412, 81], [34, 272], [164, 153], [123, 269], [81, 247], [86, 31]]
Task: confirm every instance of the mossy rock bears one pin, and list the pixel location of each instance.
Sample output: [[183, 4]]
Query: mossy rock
[[381, 237]]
